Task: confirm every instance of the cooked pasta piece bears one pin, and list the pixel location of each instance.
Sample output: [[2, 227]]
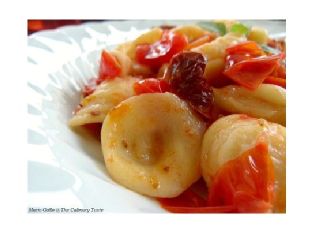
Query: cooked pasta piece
[[268, 101], [151, 144], [215, 53], [107, 95], [230, 136], [124, 47], [258, 34], [192, 32]]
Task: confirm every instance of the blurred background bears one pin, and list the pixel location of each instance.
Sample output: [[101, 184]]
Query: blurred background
[[38, 25], [42, 24]]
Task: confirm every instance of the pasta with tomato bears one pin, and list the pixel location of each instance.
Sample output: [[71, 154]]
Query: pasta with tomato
[[194, 105]]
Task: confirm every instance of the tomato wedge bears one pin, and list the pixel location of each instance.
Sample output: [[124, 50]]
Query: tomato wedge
[[251, 72], [151, 85], [247, 65], [160, 52], [246, 182], [109, 67]]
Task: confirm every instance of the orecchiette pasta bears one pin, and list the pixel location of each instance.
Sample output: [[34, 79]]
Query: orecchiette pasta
[[107, 95], [268, 101], [258, 34], [124, 47], [215, 53], [151, 144], [230, 136], [158, 98], [192, 32]]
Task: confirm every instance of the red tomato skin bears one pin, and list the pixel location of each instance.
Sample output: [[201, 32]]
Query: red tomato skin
[[154, 55], [109, 67], [151, 85], [250, 73], [247, 65], [246, 182], [242, 185], [248, 47]]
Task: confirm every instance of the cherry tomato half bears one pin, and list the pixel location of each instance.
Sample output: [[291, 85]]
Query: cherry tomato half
[[246, 182], [247, 65], [151, 85], [160, 52], [250, 72], [109, 67]]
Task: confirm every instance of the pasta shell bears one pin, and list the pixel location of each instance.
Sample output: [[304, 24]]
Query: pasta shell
[[107, 95], [192, 32], [258, 34], [230, 136], [151, 144], [268, 101]]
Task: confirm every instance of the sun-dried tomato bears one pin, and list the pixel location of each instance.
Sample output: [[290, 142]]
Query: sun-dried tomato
[[185, 74]]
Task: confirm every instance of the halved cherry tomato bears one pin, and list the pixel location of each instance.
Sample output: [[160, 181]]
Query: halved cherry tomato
[[246, 182], [247, 65], [154, 55], [109, 67], [151, 85], [250, 72], [276, 81]]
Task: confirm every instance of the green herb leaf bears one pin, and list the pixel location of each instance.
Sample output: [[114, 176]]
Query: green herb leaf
[[270, 50], [240, 28], [217, 27]]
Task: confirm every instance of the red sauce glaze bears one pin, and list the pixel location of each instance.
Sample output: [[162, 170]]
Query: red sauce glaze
[[194, 196], [94, 130]]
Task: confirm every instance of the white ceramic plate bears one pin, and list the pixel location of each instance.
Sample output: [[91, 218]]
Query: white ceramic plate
[[65, 167]]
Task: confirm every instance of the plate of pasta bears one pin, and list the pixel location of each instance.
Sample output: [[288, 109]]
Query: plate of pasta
[[158, 117]]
